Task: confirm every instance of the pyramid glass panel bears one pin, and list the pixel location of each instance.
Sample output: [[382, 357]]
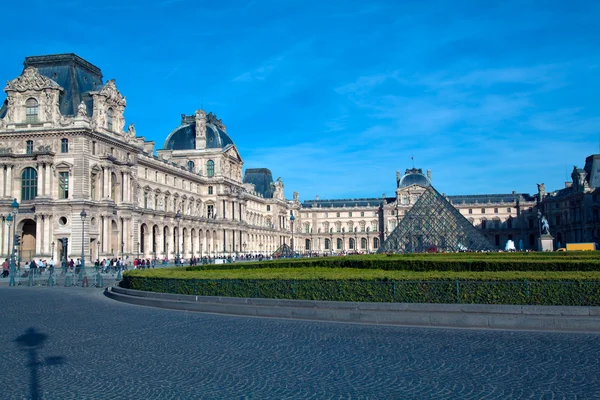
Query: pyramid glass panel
[[434, 225], [284, 251]]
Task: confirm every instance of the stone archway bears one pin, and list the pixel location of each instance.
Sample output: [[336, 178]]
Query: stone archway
[[27, 232], [143, 238]]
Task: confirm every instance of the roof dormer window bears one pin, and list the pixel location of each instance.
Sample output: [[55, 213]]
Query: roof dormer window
[[109, 119], [31, 111]]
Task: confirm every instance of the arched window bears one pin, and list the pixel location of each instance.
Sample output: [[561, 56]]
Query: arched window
[[109, 119], [31, 110], [339, 244], [29, 181], [375, 243], [210, 168], [190, 165], [326, 244], [363, 243]]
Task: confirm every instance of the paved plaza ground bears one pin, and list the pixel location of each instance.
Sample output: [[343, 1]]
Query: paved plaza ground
[[74, 343]]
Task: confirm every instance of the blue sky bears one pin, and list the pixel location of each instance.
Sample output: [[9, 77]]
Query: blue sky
[[335, 96]]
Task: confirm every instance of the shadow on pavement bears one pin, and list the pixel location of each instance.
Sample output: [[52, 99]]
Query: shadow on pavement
[[32, 342]]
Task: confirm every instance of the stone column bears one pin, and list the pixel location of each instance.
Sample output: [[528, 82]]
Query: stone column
[[126, 180], [2, 181], [48, 181], [50, 234], [9, 172], [105, 183], [105, 239], [39, 232]]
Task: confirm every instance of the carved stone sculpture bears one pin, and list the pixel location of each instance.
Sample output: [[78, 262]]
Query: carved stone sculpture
[[131, 130], [82, 110]]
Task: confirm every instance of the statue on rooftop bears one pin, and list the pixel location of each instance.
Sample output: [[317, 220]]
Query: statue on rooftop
[[82, 110]]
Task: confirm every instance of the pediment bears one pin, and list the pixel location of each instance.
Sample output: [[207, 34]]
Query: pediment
[[63, 165], [31, 79], [233, 153]]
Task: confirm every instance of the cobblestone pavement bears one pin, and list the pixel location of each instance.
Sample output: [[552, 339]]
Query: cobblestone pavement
[[74, 343]]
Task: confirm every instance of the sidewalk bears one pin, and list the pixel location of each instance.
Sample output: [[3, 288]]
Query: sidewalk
[[481, 316]]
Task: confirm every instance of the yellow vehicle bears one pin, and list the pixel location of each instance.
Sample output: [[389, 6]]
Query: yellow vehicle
[[579, 247]]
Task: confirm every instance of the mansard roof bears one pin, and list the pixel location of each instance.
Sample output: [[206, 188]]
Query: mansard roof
[[340, 203], [490, 198], [262, 179], [74, 74]]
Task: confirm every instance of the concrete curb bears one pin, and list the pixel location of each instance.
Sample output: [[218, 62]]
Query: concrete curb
[[517, 317]]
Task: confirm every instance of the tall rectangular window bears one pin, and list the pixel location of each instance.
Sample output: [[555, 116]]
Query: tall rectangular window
[[94, 148], [63, 185], [210, 209], [64, 145], [210, 190], [31, 111], [29, 147]]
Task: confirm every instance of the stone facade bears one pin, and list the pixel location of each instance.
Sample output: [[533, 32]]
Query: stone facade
[[57, 165], [64, 148], [360, 225]]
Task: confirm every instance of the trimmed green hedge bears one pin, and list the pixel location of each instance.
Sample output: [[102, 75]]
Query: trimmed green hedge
[[434, 262], [534, 292]]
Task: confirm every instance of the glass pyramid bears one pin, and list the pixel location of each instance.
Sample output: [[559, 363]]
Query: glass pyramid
[[434, 225], [284, 251]]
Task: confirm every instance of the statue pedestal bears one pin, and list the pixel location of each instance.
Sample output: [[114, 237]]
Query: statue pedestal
[[546, 243]]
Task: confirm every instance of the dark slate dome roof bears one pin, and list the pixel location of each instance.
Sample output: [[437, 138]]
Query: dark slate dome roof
[[414, 176], [184, 137]]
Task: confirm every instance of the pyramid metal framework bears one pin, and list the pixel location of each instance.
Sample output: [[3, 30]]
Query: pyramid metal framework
[[284, 251], [433, 224]]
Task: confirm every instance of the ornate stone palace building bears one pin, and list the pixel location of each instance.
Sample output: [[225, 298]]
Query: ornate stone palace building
[[64, 148]]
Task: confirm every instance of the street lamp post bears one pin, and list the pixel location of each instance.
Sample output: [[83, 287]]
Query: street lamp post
[[178, 219], [13, 263], [12, 272], [292, 218], [52, 246], [82, 272], [98, 253], [331, 241], [137, 244]]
